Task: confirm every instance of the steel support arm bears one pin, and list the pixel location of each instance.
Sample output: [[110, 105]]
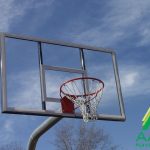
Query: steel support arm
[[39, 131]]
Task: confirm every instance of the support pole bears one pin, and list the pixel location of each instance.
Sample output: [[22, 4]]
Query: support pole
[[39, 131]]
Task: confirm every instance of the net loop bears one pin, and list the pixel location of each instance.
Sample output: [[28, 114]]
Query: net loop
[[85, 93]]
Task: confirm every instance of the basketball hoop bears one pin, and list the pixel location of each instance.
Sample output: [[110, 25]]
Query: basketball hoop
[[85, 93]]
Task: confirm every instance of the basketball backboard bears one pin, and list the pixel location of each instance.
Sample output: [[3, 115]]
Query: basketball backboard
[[33, 69]]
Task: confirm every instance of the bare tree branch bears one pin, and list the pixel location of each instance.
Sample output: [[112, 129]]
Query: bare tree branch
[[83, 137], [12, 146]]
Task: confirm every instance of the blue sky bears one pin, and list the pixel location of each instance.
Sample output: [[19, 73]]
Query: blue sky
[[117, 24]]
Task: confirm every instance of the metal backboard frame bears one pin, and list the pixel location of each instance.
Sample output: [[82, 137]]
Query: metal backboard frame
[[43, 68]]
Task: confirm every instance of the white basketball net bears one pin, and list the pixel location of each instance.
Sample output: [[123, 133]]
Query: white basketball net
[[86, 94]]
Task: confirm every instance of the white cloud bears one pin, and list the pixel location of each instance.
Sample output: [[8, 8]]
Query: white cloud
[[11, 10], [135, 80], [6, 14], [25, 92], [6, 130], [131, 17], [144, 32], [120, 21], [125, 13], [8, 125], [129, 79]]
